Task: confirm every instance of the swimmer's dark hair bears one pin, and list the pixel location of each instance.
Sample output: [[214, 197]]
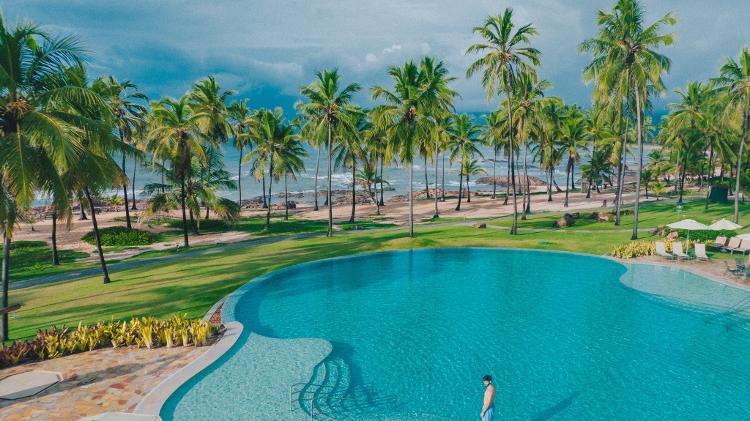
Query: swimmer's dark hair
[[487, 378]]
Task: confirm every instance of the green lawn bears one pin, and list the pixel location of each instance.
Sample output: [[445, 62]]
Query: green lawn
[[651, 215], [31, 259], [192, 285], [257, 225]]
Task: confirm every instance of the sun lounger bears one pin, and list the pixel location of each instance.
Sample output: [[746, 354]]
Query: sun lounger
[[719, 243], [677, 251], [700, 252], [744, 247], [734, 244], [661, 250]]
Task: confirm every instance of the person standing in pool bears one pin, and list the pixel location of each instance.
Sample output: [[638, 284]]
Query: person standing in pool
[[488, 409]]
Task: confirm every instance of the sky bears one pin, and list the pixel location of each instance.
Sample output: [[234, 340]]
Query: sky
[[268, 49]]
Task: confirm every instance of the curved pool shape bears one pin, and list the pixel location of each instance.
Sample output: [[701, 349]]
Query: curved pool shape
[[408, 335]]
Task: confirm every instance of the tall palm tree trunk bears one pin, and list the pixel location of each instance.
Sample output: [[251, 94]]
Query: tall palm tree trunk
[[125, 194], [567, 181], [526, 195], [437, 155], [329, 200], [507, 182], [265, 203], [709, 174], [286, 199], [55, 256], [460, 186], [83, 216], [239, 180], [6, 267], [468, 189], [185, 241], [426, 180], [317, 171], [270, 196], [134, 206], [514, 227], [97, 236], [621, 174], [442, 183], [494, 173], [354, 191], [745, 129], [411, 197], [640, 161], [382, 167]]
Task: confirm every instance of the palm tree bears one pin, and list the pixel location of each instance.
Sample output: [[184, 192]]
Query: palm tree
[[471, 167], [464, 140], [40, 134], [95, 170], [735, 84], [166, 196], [326, 110], [277, 145], [598, 168], [507, 55], [419, 93], [127, 104], [175, 135], [440, 126], [349, 149], [530, 105], [240, 114], [627, 66], [572, 140]]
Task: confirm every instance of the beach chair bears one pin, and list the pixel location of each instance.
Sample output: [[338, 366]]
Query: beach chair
[[734, 244], [744, 247], [719, 243], [700, 252], [677, 251], [661, 250]]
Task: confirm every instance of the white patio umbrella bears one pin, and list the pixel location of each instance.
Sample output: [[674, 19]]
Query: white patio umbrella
[[724, 225], [688, 225]]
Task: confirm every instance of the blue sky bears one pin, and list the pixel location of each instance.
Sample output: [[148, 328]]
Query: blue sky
[[267, 49]]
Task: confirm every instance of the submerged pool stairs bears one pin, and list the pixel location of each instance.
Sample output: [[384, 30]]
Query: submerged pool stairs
[[330, 395]]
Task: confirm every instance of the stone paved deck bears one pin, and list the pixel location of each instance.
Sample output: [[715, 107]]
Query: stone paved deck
[[104, 380]]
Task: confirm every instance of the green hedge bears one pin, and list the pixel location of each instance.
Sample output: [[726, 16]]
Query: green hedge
[[122, 236], [205, 224], [705, 235]]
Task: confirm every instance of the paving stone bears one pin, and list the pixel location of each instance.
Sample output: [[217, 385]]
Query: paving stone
[[29, 383]]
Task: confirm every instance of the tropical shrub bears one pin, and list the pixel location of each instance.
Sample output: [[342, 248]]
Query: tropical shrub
[[703, 236], [634, 249], [122, 236], [144, 332]]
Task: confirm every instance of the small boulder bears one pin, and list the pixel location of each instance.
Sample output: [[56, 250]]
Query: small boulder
[[566, 221], [480, 225]]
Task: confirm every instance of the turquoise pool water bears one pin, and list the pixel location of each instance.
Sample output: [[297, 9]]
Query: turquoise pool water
[[408, 336]]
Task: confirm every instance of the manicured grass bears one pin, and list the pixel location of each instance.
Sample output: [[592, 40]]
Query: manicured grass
[[651, 215], [31, 259], [257, 225], [193, 284]]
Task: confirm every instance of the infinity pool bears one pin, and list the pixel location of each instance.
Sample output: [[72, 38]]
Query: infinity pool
[[408, 335]]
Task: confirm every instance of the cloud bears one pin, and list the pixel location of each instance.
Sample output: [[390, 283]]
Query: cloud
[[392, 48], [269, 49]]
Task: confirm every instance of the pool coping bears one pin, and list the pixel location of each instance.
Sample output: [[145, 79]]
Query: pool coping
[[154, 401]]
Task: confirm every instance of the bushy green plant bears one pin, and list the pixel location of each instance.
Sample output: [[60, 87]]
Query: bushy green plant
[[634, 249], [145, 332], [122, 236], [703, 236]]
